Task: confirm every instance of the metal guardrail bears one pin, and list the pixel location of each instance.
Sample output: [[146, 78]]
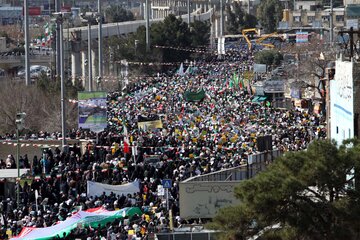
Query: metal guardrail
[[187, 236], [256, 163], [21, 57]]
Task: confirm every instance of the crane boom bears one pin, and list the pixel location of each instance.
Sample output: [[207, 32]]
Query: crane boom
[[244, 33], [262, 38]]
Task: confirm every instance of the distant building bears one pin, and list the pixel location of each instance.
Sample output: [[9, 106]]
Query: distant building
[[162, 8], [311, 15], [344, 101], [10, 15], [249, 5]]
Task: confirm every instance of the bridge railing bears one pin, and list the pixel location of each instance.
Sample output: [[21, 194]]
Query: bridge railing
[[111, 29], [12, 58]]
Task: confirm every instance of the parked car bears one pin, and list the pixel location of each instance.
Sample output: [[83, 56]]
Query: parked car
[[35, 71]]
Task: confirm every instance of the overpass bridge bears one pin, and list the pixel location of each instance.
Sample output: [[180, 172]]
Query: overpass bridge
[[12, 61], [78, 38]]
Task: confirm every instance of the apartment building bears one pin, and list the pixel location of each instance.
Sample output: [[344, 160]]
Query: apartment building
[[311, 14]]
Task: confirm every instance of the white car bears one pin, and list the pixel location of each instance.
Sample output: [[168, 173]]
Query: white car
[[35, 71]]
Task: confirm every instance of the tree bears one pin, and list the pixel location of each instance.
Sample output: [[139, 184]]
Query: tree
[[269, 13], [173, 35], [302, 195], [172, 32], [312, 60], [118, 14], [200, 33], [238, 19], [269, 57]]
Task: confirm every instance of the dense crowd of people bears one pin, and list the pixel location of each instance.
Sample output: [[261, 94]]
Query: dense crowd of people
[[196, 137]]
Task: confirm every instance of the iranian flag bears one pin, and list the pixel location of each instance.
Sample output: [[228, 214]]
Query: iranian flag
[[90, 218], [126, 140]]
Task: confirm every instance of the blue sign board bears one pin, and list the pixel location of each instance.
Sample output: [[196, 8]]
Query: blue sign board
[[302, 37], [166, 183]]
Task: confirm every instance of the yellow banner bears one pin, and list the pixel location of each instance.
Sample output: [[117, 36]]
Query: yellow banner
[[150, 125]]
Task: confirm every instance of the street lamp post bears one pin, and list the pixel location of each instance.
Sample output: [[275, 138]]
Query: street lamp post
[[88, 18], [59, 20], [26, 32], [57, 35], [221, 19], [89, 56], [147, 25], [331, 22], [188, 11], [19, 122], [99, 20]]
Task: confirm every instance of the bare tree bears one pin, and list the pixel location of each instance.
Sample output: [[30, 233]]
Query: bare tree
[[42, 110], [311, 61]]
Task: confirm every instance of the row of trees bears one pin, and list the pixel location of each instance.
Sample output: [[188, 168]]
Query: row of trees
[[269, 13], [171, 33], [305, 195]]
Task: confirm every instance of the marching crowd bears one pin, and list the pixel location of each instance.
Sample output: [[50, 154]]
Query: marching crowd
[[195, 137]]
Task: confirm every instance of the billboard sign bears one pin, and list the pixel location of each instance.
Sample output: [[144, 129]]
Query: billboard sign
[[204, 199], [33, 11], [259, 68], [92, 111], [342, 102], [302, 37]]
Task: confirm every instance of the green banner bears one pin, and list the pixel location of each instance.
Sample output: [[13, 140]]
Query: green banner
[[194, 96]]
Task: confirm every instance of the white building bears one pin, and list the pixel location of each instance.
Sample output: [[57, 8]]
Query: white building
[[342, 102]]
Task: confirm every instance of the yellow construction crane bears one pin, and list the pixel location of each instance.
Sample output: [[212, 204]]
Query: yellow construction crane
[[244, 33], [262, 38]]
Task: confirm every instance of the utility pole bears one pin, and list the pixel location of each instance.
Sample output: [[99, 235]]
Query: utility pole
[[331, 23], [351, 33], [100, 18], [188, 10], [89, 56], [62, 75], [57, 9], [59, 22], [18, 167], [147, 26], [19, 122], [26, 32], [221, 19]]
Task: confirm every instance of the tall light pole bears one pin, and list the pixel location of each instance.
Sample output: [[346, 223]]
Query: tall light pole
[[147, 25], [221, 19], [19, 122], [88, 18], [188, 11], [57, 10], [62, 76], [59, 20], [26, 32], [99, 19], [89, 57], [331, 23]]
